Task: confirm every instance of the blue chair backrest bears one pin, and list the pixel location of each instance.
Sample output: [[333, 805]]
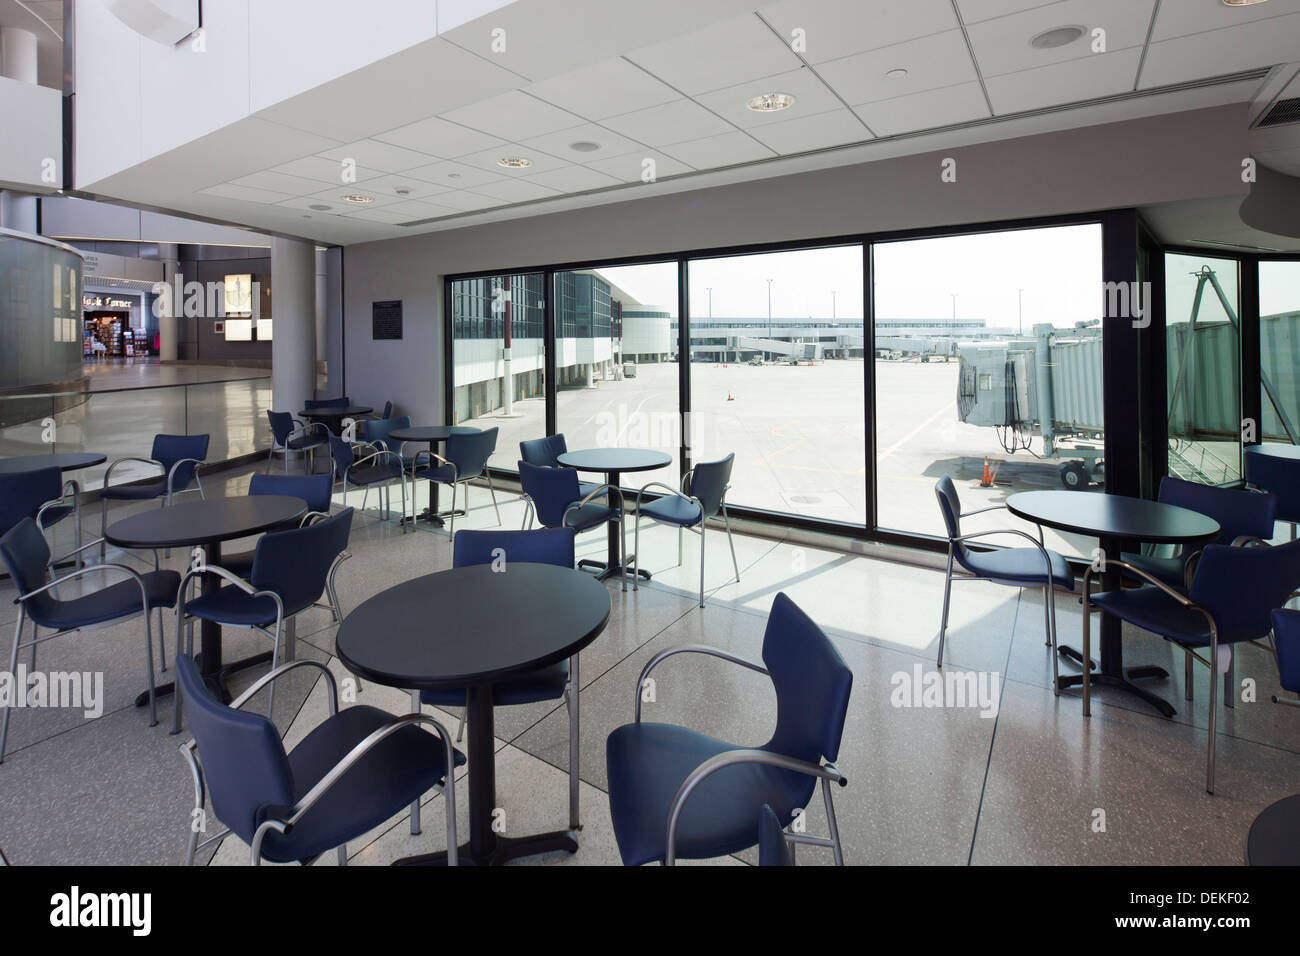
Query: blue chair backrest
[[812, 684], [1237, 511], [26, 555], [169, 449], [377, 432], [388, 410], [244, 763], [551, 489], [538, 546], [1286, 635], [341, 452], [22, 494], [281, 425], [295, 564], [709, 483], [1277, 475], [773, 848], [544, 452], [950, 508], [470, 452], [313, 489], [1242, 586]]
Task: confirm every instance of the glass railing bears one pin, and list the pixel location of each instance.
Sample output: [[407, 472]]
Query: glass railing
[[121, 423]]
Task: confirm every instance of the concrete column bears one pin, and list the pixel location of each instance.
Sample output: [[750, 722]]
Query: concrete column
[[167, 321], [18, 62], [322, 306], [334, 320], [293, 343]]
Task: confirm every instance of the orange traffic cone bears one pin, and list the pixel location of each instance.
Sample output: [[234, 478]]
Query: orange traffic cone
[[729, 398], [986, 479]]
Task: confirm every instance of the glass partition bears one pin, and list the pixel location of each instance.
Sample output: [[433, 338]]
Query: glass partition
[[1279, 350]]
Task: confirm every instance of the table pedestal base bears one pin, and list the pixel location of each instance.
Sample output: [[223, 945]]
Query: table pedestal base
[[502, 850], [216, 681], [607, 570], [1125, 682]]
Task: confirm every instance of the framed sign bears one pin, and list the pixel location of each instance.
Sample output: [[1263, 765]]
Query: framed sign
[[386, 319]]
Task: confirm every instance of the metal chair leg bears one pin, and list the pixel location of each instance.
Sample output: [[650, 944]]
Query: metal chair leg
[[636, 550], [162, 643], [451, 518], [148, 648], [943, 621], [575, 778], [831, 824], [1188, 674], [493, 490], [1087, 651], [701, 559], [275, 662], [13, 666], [1214, 708], [727, 524], [415, 804], [343, 855], [1230, 680], [1056, 667]]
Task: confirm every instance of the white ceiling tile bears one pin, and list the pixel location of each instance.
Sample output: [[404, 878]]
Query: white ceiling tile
[[279, 182], [720, 55], [928, 110], [376, 155], [453, 175], [424, 210], [437, 137], [389, 215], [516, 190], [466, 200], [811, 96], [245, 193], [634, 166], [973, 11], [1181, 19], [572, 179], [725, 149], [1107, 74], [669, 123], [813, 132], [513, 116], [931, 62], [1260, 43], [324, 170], [336, 195], [305, 203], [415, 189], [837, 28], [560, 143], [1003, 45], [487, 161], [604, 89]]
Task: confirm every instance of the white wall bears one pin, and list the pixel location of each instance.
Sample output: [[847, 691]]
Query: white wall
[[1179, 156], [86, 219], [32, 132]]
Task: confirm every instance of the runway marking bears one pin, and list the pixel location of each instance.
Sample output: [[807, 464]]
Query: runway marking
[[913, 433]]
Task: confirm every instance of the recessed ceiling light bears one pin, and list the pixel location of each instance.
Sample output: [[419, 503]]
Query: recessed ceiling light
[[514, 162], [584, 146], [771, 102], [1057, 37], [453, 175], [1241, 3], [359, 199], [319, 207], [896, 74]]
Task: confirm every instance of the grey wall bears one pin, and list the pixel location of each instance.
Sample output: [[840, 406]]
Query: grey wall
[[1186, 155], [196, 339]]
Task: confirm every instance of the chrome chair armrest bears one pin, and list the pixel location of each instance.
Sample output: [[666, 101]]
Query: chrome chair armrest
[[1249, 541], [130, 572], [383, 453], [108, 474], [171, 475], [980, 511], [430, 454], [595, 493], [1036, 542], [279, 672], [84, 547], [729, 758], [302, 427], [311, 517], [1133, 569], [235, 579], [689, 649]]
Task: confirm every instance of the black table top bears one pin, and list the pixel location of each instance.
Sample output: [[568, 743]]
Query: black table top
[[204, 522], [335, 411], [1112, 516], [1274, 838], [615, 459], [431, 432], [1275, 450], [472, 625], [65, 461]]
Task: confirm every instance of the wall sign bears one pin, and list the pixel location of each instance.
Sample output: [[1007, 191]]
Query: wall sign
[[386, 319]]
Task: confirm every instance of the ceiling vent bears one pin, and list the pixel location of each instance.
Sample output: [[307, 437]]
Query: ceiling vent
[[1282, 113]]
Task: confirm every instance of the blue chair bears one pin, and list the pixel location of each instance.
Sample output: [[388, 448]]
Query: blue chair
[[377, 468], [1035, 567], [1244, 517], [705, 496], [774, 849], [179, 457], [291, 570], [353, 771], [1232, 596], [1286, 646], [467, 458], [26, 557], [376, 436], [553, 495], [556, 682], [289, 435], [1281, 477], [674, 792], [43, 496], [546, 452], [313, 489]]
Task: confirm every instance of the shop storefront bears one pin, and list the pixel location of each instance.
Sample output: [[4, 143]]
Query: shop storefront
[[114, 326]]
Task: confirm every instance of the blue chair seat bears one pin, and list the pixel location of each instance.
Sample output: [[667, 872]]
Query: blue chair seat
[[443, 473], [112, 602], [1171, 570], [671, 509], [55, 514], [586, 487], [589, 516], [1019, 566], [545, 684], [309, 440], [232, 605], [399, 770], [1153, 610], [385, 470], [137, 491], [646, 765]]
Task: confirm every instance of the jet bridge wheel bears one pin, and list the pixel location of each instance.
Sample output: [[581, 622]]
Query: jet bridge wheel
[[1074, 475]]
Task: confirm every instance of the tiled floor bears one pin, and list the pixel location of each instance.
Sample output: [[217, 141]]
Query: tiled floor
[[1027, 784]]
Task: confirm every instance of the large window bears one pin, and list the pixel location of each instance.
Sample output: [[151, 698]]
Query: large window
[[1203, 361], [988, 369], [1279, 349]]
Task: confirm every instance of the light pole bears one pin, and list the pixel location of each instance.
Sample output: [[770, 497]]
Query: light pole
[[710, 301], [1022, 311], [954, 308], [832, 305], [769, 310]]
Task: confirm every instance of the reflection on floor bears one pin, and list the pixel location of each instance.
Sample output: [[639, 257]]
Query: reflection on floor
[[926, 785]]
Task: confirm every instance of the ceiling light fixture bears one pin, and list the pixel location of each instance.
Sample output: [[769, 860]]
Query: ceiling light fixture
[[359, 199], [319, 207], [584, 146], [897, 74], [514, 162], [771, 102], [1241, 3], [1057, 37]]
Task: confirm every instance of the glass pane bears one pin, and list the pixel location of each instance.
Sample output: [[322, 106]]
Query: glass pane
[[616, 363], [497, 337], [777, 378], [1203, 352], [988, 369], [1279, 349]]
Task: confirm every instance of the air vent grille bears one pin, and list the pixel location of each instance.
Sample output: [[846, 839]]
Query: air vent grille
[[1283, 112]]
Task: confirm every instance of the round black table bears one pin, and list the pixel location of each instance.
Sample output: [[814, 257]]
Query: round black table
[[613, 462], [64, 461], [432, 434], [1274, 838], [206, 524], [1120, 524], [333, 415], [471, 627]]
